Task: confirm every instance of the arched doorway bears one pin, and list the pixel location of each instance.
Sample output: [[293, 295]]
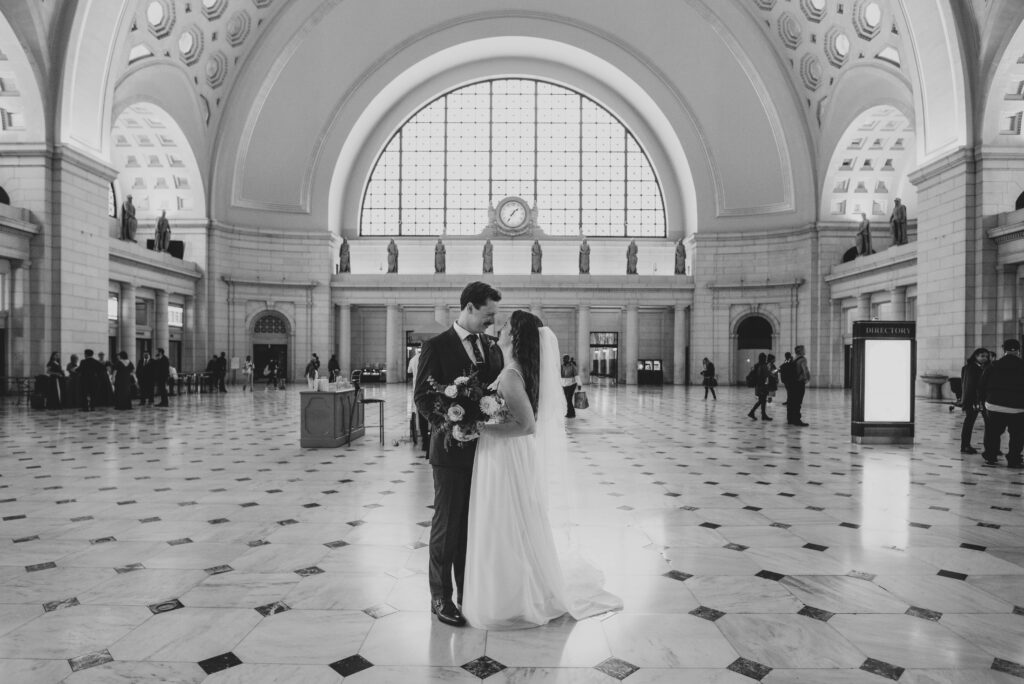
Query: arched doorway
[[753, 336], [270, 341]]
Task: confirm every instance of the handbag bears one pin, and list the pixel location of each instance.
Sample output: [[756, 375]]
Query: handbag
[[579, 400]]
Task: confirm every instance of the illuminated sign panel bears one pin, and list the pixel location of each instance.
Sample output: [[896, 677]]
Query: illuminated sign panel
[[884, 366]]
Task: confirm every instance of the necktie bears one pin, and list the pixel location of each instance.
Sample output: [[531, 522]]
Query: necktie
[[477, 357]]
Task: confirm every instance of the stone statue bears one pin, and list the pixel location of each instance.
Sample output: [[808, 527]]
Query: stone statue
[[631, 257], [536, 256], [344, 258], [162, 241], [864, 237], [680, 257], [488, 257], [392, 257], [128, 223], [898, 223], [584, 257], [439, 254]]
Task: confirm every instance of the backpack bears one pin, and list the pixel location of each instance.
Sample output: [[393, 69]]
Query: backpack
[[787, 372], [752, 377]]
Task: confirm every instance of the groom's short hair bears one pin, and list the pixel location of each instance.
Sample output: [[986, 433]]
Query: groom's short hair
[[477, 294]]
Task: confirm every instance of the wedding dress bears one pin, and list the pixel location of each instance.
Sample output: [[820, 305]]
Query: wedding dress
[[515, 576]]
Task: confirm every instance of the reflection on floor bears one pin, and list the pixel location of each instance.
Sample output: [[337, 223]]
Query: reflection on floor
[[201, 544]]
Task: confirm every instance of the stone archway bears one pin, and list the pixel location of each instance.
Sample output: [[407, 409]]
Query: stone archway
[[270, 335]]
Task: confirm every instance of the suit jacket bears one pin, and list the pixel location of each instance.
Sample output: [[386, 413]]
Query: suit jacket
[[445, 358]]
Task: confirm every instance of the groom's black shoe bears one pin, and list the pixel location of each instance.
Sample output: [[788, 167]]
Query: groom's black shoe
[[447, 613]]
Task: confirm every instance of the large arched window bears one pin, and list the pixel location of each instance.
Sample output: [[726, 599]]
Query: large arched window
[[463, 153]]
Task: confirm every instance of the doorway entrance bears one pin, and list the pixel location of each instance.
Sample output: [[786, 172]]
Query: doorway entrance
[[604, 354], [270, 341], [263, 353], [753, 336]]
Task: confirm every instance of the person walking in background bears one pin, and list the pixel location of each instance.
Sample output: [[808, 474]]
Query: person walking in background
[[422, 424], [761, 376], [311, 372], [248, 370], [333, 368], [773, 378], [73, 391], [710, 380], [787, 373], [271, 372], [222, 371], [160, 372], [970, 376], [144, 371], [798, 386], [1002, 389], [93, 382], [124, 378], [568, 372]]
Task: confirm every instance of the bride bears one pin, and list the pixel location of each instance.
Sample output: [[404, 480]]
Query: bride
[[514, 577]]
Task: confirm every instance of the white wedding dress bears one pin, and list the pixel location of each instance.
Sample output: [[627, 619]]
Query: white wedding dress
[[514, 574]]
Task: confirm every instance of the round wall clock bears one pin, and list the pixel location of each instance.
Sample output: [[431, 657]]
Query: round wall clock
[[513, 215]]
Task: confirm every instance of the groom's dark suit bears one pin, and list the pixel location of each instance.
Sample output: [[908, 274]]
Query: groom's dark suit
[[445, 358]]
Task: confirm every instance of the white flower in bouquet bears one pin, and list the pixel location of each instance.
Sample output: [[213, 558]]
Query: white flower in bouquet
[[451, 391], [461, 380], [490, 405], [461, 434], [456, 413]]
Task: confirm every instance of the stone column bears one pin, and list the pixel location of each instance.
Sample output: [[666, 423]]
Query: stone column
[[583, 343], [632, 342], [679, 341], [20, 322], [899, 303], [161, 333], [864, 307], [392, 342], [345, 339], [126, 322], [188, 334], [441, 315]]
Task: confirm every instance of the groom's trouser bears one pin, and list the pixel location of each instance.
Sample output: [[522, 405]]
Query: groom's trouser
[[448, 531]]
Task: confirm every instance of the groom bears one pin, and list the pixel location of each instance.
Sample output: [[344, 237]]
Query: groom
[[458, 350]]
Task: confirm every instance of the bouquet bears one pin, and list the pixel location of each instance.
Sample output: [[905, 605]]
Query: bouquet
[[463, 407]]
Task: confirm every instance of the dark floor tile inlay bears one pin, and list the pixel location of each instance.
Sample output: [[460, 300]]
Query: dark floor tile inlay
[[273, 608], [220, 662], [614, 667], [951, 574], [483, 667], [1009, 667], [90, 660], [57, 605], [816, 613], [678, 575], [706, 613], [749, 668], [882, 669], [347, 667], [165, 606], [924, 613], [769, 575]]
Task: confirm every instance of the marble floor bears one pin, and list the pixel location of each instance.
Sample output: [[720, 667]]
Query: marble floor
[[201, 544]]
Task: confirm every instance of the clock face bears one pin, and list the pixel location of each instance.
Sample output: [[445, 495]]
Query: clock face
[[513, 213]]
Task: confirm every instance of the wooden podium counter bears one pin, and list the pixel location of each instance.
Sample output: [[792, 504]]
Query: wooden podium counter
[[325, 418]]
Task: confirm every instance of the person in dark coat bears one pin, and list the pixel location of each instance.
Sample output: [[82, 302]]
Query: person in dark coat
[[93, 382], [161, 372], [71, 396], [145, 375], [762, 378], [1002, 389], [333, 368], [710, 380], [105, 395], [970, 376], [124, 370], [55, 386], [222, 371]]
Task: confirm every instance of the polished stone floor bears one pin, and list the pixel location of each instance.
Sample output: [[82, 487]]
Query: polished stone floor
[[201, 544]]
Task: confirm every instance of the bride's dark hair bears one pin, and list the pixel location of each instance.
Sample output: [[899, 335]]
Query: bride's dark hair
[[525, 327]]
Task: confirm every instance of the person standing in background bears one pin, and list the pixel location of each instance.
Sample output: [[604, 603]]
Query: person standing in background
[[569, 383], [795, 392], [970, 377], [161, 372], [708, 373]]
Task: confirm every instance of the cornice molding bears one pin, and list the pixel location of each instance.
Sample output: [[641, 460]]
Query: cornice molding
[[933, 169], [756, 284], [258, 282]]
